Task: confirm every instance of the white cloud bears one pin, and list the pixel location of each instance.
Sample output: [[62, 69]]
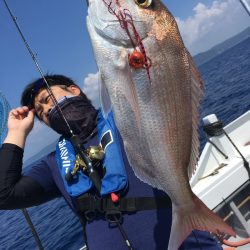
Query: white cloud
[[212, 24], [91, 88]]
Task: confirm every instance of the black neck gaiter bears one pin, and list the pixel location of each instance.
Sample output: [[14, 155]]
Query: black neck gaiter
[[79, 113]]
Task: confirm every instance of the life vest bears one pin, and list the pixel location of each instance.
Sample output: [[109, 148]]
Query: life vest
[[115, 177]]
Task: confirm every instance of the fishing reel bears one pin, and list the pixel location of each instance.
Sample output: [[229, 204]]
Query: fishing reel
[[95, 155]]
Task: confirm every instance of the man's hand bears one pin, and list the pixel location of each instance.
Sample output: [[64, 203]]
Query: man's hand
[[20, 123]]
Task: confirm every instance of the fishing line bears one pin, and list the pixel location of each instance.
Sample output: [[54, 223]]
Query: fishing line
[[34, 58]]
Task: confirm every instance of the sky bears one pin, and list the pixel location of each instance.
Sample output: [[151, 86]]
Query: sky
[[56, 31]]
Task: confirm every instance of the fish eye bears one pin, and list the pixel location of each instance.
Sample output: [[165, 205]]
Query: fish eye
[[144, 3]]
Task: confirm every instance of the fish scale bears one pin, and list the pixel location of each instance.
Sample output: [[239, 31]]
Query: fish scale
[[157, 116]]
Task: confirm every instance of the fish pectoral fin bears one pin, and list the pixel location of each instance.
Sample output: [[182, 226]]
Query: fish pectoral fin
[[128, 88], [105, 101]]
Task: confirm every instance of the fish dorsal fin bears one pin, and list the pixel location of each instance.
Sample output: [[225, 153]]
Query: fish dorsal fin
[[105, 101], [197, 92]]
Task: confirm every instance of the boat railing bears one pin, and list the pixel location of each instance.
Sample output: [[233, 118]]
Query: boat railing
[[221, 150]]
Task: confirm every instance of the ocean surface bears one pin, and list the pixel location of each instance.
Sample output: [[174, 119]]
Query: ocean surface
[[227, 81]]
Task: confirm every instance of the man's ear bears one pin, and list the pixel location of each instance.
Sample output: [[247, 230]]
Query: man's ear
[[74, 90]]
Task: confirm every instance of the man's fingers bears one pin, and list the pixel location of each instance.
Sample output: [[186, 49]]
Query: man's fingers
[[20, 111]]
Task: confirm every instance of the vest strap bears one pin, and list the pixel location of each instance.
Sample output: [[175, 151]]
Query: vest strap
[[91, 205]]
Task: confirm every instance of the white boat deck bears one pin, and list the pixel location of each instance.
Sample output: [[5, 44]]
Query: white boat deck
[[222, 183], [214, 189]]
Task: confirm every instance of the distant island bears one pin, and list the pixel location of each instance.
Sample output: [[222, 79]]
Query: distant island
[[204, 57]]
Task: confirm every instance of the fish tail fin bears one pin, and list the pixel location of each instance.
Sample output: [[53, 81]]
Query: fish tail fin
[[200, 217]]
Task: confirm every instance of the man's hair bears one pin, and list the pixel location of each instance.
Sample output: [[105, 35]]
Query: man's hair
[[31, 90]]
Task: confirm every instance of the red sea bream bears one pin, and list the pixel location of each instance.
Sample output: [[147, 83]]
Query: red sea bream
[[156, 105]]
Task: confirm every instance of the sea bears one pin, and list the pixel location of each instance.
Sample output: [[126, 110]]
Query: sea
[[227, 94]]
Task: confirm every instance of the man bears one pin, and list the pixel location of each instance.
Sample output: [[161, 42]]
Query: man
[[142, 225]]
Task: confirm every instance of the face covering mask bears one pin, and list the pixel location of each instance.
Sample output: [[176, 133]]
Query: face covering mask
[[79, 113]]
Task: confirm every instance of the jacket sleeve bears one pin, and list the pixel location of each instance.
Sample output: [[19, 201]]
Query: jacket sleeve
[[18, 190]]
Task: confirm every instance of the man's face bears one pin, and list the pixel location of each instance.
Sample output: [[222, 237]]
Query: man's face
[[43, 101]]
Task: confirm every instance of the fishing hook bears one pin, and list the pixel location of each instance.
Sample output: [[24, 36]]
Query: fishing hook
[[125, 19]]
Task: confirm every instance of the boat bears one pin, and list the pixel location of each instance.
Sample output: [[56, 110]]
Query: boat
[[222, 176]]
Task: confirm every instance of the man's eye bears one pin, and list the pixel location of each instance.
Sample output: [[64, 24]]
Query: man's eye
[[47, 99]]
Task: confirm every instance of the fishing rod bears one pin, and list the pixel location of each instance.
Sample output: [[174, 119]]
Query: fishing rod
[[90, 169], [246, 6], [33, 56], [32, 227]]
